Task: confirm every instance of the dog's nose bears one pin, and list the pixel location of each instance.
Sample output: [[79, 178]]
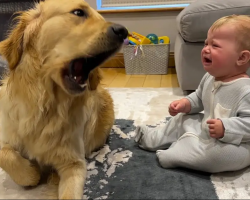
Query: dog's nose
[[118, 30]]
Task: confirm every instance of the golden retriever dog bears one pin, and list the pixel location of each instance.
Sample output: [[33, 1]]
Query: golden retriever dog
[[53, 111]]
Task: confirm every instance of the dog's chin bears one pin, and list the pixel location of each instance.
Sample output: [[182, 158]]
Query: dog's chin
[[76, 73]]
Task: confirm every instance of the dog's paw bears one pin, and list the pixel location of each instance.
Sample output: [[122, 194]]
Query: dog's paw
[[21, 170], [29, 175]]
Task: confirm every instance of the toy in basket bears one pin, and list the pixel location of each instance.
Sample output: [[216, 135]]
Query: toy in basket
[[164, 40], [153, 38], [136, 38], [146, 54]]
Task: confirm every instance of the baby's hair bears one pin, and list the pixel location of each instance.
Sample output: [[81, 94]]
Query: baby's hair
[[242, 25]]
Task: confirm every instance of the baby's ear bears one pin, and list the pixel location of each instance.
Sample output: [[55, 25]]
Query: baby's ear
[[244, 58]]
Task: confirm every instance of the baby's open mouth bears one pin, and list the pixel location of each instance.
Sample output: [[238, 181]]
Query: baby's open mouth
[[207, 60]]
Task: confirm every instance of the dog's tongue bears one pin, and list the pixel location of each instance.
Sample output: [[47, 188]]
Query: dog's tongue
[[78, 71]]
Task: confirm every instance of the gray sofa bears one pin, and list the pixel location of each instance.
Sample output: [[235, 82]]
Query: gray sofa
[[193, 23]]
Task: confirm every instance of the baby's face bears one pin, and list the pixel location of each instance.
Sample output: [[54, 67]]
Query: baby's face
[[220, 52]]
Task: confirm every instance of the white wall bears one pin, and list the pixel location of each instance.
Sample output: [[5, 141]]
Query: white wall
[[160, 23]]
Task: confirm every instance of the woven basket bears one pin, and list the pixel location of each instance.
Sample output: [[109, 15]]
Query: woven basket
[[146, 59]]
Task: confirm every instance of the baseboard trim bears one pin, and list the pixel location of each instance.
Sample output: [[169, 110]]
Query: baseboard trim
[[117, 61]]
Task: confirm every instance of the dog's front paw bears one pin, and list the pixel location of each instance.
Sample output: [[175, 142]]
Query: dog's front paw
[[21, 170], [29, 175]]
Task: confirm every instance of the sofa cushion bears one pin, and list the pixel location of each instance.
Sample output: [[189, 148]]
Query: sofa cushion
[[194, 21]]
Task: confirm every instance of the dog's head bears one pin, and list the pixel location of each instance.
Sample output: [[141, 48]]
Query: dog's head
[[62, 41]]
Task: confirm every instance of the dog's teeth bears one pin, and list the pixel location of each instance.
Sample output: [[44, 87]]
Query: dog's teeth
[[83, 85]]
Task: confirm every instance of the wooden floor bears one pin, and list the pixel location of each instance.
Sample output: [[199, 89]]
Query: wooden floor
[[117, 77]]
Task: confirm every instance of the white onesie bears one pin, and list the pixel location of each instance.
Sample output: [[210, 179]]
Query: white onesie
[[187, 135]]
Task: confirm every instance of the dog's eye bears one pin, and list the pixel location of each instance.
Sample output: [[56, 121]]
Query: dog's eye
[[78, 12]]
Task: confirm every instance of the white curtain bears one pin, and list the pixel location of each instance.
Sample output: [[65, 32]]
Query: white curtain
[[128, 3]]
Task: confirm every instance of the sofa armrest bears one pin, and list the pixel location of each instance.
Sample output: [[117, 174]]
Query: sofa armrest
[[194, 21]]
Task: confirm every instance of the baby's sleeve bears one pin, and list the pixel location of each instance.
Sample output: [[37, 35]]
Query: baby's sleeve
[[237, 129], [195, 98]]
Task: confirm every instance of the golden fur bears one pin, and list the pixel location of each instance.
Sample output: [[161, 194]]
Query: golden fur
[[41, 119]]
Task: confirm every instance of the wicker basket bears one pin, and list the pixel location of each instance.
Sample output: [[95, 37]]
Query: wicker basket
[[146, 59]]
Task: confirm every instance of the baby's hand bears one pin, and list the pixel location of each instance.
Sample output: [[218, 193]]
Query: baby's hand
[[216, 128], [178, 106]]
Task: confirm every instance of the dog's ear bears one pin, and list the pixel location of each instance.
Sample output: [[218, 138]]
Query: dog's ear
[[12, 47], [95, 77]]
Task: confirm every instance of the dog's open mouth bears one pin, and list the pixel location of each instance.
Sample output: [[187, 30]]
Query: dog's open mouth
[[76, 73]]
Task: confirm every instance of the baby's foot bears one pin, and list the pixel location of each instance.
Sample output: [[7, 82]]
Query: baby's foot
[[160, 154], [139, 132], [162, 157], [147, 138]]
